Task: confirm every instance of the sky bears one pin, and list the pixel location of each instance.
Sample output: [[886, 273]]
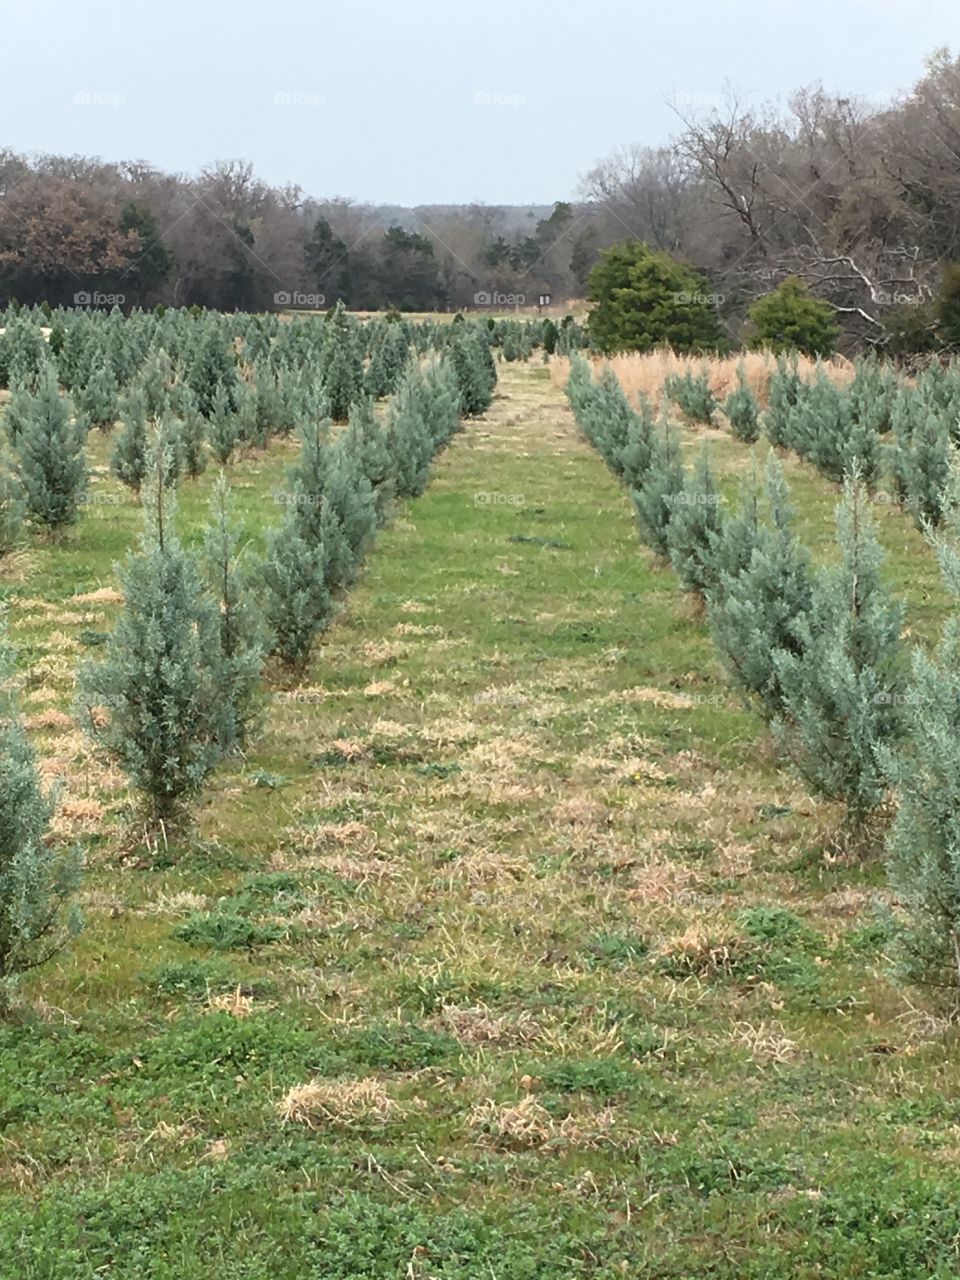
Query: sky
[[428, 101]]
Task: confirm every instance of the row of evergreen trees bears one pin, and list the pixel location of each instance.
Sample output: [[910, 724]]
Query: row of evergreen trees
[[209, 404], [893, 430], [178, 687], [818, 653], [97, 354]]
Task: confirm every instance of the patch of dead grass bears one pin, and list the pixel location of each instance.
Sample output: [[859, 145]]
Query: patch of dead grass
[[528, 1124], [339, 1103]]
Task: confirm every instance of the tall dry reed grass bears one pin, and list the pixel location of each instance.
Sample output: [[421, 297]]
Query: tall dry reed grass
[[648, 372]]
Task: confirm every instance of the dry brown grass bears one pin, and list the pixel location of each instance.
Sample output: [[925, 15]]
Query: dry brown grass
[[477, 1026], [648, 372], [233, 1002], [765, 1042], [528, 1124], [343, 1103], [102, 595]]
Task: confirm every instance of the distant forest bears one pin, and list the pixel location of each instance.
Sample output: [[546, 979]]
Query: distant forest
[[861, 199]]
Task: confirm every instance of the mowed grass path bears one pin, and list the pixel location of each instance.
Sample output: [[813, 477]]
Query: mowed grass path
[[516, 885]]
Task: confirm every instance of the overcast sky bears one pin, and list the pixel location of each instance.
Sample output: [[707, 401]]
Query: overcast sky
[[426, 101]]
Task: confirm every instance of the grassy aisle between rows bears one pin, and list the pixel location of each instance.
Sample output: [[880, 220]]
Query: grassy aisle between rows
[[508, 953]]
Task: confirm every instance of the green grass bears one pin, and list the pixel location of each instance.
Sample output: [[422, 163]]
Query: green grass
[[514, 855]]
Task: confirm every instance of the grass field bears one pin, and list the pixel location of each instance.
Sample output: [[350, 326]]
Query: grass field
[[510, 952]]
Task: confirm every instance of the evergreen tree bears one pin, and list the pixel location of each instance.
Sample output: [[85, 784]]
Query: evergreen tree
[[394, 354], [350, 506], [762, 593], [786, 386], [12, 507], [923, 845], [129, 459], [268, 404], [192, 433], [738, 536], [36, 883], [638, 445], [645, 299], [223, 429], [654, 501], [239, 655], [475, 370], [791, 319], [165, 715], [925, 469], [692, 394], [26, 355], [408, 437], [740, 406], [76, 357], [98, 399], [296, 602], [440, 403], [342, 363], [212, 369], [842, 693], [156, 382], [695, 526], [50, 450], [366, 440]]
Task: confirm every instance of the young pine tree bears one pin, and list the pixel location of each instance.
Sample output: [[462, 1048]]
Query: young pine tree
[[164, 716], [223, 432], [129, 459], [192, 433], [293, 591], [342, 363], [692, 394], [923, 844], [925, 470], [475, 370], [36, 883], [742, 412], [242, 638], [98, 398], [762, 592], [440, 403], [12, 507], [638, 446], [786, 388], [695, 527], [366, 440], [349, 516], [304, 555], [51, 453], [408, 436], [654, 502], [843, 692]]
